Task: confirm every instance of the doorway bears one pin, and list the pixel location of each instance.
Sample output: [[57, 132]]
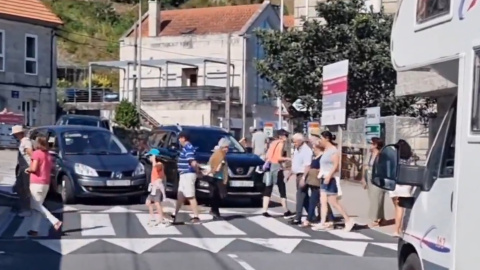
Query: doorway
[[27, 110]]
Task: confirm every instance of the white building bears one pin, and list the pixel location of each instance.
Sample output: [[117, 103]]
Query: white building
[[186, 38]]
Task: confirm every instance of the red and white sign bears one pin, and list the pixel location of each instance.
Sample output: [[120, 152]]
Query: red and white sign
[[11, 118], [335, 86]]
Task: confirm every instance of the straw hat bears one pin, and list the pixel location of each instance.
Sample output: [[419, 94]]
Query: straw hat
[[17, 129]]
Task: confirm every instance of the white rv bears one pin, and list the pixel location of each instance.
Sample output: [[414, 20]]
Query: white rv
[[436, 51]]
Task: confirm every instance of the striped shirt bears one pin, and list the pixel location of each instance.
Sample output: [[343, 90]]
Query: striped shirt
[[186, 156]]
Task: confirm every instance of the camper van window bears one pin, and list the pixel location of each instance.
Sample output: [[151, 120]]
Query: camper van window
[[439, 149], [475, 125], [431, 9], [448, 157]]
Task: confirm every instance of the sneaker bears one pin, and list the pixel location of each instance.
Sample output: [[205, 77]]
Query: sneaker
[[266, 214], [295, 222], [288, 215], [195, 220], [349, 226]]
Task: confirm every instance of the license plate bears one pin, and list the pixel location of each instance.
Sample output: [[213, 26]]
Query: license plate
[[241, 183], [118, 183]]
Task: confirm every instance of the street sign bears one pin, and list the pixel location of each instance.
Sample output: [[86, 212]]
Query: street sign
[[372, 131], [313, 128], [373, 116], [335, 85], [268, 128]]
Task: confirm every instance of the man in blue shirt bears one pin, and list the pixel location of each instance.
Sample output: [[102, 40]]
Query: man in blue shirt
[[187, 168]]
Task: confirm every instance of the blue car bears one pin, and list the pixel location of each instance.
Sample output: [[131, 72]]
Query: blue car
[[244, 181], [91, 162]]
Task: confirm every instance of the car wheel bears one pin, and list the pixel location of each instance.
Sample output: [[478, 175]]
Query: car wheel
[[412, 263], [257, 201], [67, 192], [135, 199]]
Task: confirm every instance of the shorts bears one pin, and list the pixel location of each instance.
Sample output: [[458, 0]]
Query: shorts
[[156, 196], [282, 190], [331, 188], [186, 184]]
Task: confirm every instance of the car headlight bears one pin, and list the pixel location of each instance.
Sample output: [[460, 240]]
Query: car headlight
[[140, 170], [85, 170]]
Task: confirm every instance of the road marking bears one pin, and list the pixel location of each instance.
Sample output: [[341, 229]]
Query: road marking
[[119, 209], [392, 246], [277, 227], [241, 262], [349, 235], [156, 230], [138, 246], [26, 225], [213, 245], [349, 247], [219, 227], [283, 245], [65, 246], [96, 224]]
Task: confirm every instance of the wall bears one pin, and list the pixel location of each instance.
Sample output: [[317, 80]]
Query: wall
[[190, 112], [244, 51], [39, 90], [390, 6]]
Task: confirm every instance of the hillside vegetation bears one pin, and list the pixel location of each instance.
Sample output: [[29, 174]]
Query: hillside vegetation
[[92, 28]]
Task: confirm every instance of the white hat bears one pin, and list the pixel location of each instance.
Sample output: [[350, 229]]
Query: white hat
[[17, 129]]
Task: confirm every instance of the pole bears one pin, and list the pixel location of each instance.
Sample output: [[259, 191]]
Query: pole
[[139, 88], [279, 98], [135, 63], [227, 88]]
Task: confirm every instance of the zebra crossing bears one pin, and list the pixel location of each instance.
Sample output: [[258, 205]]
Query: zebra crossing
[[134, 223], [128, 230]]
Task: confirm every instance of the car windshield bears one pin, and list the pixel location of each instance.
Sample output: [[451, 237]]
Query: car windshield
[[82, 122], [91, 142], [205, 141]]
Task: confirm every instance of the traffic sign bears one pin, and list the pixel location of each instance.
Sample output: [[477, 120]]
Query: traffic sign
[[372, 131], [268, 129]]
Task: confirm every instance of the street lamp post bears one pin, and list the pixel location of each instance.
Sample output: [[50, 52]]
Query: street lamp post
[[279, 97]]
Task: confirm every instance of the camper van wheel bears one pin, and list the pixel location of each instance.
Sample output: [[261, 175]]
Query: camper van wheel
[[412, 263]]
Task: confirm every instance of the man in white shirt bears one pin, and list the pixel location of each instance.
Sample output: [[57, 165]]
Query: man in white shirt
[[259, 142], [25, 150], [301, 160]]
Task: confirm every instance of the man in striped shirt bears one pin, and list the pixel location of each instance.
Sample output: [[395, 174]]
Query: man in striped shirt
[[187, 168]]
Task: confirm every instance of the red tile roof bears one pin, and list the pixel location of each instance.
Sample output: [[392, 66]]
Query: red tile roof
[[29, 9], [200, 21], [289, 21]]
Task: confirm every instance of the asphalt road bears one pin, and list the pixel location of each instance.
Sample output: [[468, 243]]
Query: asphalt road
[[113, 235]]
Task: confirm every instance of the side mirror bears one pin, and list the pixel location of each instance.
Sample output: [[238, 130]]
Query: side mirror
[[385, 168], [388, 172], [249, 150]]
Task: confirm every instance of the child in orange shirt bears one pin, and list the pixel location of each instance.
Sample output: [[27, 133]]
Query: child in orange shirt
[[156, 189]]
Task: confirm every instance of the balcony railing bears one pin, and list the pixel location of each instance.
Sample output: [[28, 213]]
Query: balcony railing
[[173, 93], [188, 93]]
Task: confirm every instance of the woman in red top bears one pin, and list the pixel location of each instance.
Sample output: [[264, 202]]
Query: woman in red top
[[39, 171]]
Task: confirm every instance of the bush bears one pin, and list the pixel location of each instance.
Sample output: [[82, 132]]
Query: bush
[[126, 115]]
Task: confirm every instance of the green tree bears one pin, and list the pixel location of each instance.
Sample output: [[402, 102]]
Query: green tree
[[294, 59], [126, 114]]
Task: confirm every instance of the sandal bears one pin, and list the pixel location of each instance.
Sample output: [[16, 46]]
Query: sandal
[[305, 224], [322, 227], [152, 223], [58, 226]]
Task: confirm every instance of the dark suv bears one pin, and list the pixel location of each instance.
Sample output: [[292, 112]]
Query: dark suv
[[244, 181]]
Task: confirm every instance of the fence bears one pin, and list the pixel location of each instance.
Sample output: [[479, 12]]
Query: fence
[[355, 147]]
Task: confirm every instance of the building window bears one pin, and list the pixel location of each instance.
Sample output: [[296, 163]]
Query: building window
[[2, 50], [475, 124], [431, 9], [31, 54]]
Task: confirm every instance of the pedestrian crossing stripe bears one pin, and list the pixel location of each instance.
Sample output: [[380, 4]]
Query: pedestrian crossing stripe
[[100, 225], [213, 245]]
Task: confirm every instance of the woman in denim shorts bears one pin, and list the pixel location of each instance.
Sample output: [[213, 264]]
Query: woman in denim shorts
[[330, 182]]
